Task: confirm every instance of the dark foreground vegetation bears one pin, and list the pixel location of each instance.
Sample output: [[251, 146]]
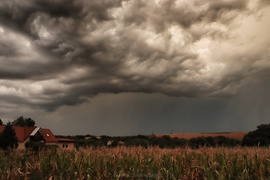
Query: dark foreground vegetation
[[137, 163]]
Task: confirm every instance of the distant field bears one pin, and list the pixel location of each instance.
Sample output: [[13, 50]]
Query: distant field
[[137, 163], [234, 135]]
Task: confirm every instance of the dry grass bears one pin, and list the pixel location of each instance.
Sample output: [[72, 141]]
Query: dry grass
[[137, 163]]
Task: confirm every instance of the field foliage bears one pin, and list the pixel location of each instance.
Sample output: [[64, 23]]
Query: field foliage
[[137, 163]]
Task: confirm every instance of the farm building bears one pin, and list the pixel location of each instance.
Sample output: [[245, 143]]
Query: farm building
[[66, 143], [38, 134]]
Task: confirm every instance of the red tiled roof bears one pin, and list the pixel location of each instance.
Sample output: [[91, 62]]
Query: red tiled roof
[[22, 133], [49, 136], [2, 127]]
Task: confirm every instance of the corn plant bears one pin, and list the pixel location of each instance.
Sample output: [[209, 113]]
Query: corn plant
[[137, 163]]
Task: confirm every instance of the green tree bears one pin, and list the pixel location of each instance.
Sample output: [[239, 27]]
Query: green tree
[[25, 122], [8, 138], [259, 137]]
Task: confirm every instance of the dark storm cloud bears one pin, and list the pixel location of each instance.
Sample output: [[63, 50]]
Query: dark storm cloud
[[68, 51]]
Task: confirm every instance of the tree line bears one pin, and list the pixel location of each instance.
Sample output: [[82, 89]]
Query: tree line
[[152, 140], [259, 137], [21, 121]]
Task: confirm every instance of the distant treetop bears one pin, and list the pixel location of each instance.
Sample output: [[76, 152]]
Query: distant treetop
[[25, 122]]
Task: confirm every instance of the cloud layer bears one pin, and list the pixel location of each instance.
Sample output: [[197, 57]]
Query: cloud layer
[[60, 52]]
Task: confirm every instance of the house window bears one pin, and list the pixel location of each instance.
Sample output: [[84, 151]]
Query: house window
[[64, 146]]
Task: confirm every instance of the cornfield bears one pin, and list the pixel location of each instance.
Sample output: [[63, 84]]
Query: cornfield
[[137, 163]]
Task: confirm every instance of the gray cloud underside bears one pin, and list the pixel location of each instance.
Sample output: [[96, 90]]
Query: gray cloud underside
[[55, 53]]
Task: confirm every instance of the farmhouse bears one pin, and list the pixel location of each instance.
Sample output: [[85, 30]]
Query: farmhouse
[[38, 134]]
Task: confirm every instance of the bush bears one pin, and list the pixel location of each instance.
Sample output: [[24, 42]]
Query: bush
[[219, 141], [259, 137], [37, 146], [8, 138]]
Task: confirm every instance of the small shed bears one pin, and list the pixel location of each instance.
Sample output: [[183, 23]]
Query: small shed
[[66, 143]]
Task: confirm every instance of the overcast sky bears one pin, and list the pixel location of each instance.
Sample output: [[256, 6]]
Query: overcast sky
[[127, 67]]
